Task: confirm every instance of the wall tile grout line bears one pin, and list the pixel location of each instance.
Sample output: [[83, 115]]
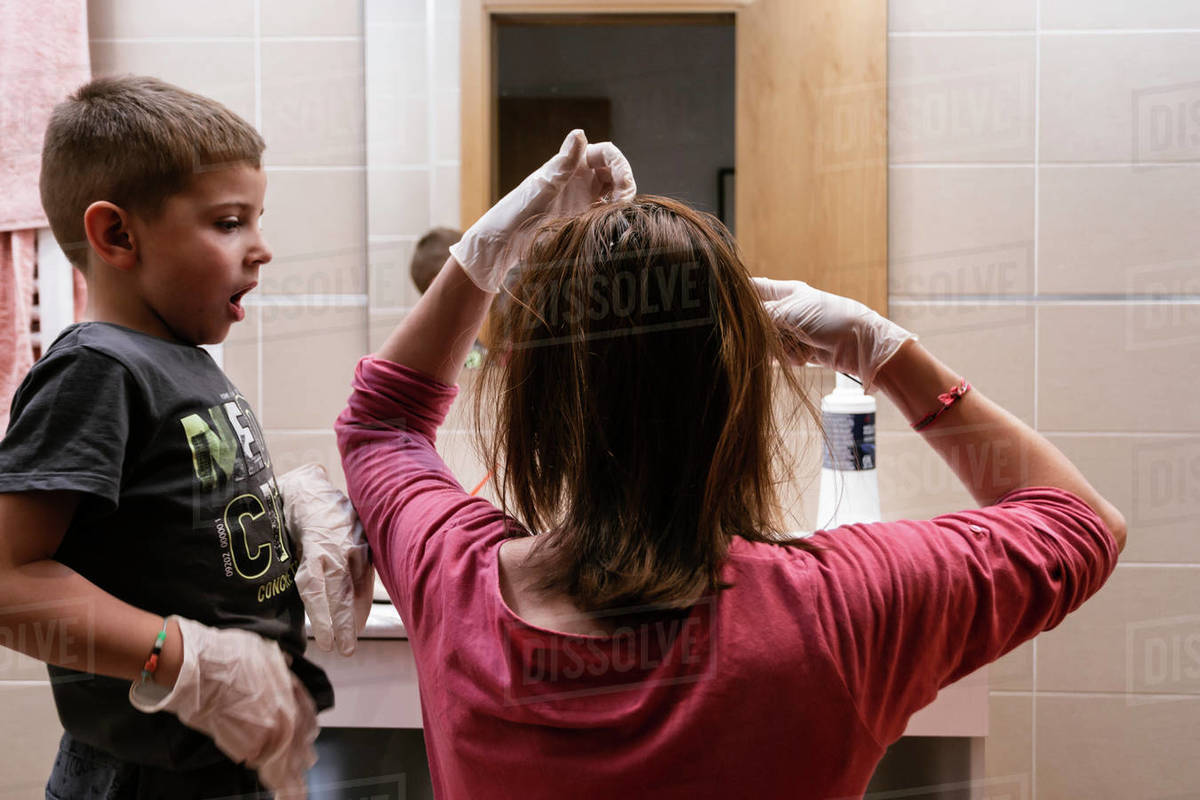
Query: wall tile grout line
[[1065, 299], [1037, 154], [1037, 31], [1051, 164], [255, 38]]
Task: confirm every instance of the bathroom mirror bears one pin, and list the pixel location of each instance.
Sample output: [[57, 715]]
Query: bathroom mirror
[[770, 112]]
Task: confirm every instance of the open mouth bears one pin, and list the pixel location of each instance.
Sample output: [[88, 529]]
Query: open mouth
[[236, 298]]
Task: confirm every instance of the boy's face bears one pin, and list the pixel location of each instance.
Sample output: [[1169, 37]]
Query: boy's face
[[201, 255]]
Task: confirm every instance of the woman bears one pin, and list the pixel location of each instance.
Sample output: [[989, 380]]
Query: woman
[[659, 638]]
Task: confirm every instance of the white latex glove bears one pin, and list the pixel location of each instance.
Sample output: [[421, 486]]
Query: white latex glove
[[335, 578], [235, 686], [579, 175], [844, 334]]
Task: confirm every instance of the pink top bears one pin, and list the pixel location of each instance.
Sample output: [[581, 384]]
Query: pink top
[[789, 684]]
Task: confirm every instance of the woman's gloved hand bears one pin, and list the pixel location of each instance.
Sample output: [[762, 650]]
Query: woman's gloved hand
[[844, 334], [334, 577], [235, 686], [579, 175]]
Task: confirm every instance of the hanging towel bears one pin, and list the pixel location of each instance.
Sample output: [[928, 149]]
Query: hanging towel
[[43, 58], [17, 256]]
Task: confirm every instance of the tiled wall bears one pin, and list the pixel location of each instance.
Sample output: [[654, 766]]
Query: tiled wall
[[1045, 165]]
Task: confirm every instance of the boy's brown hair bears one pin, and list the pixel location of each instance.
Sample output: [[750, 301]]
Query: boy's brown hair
[[133, 140], [432, 251]]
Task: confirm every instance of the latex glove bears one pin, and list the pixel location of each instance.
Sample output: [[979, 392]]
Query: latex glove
[[335, 578], [579, 175], [235, 686], [844, 334]]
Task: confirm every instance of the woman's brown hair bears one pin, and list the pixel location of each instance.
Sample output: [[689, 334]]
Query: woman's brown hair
[[634, 387]]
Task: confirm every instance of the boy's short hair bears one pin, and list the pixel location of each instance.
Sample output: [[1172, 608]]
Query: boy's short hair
[[432, 251], [133, 140]]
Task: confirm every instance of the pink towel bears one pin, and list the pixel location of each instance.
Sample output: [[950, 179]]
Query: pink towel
[[18, 253], [43, 58]]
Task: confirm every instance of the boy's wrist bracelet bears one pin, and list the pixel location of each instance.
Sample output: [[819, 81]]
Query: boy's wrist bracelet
[[947, 399], [151, 665]]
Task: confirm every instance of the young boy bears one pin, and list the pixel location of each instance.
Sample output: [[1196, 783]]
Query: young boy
[[141, 529]]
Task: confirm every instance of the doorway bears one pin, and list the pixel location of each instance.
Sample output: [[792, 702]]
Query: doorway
[[662, 87]]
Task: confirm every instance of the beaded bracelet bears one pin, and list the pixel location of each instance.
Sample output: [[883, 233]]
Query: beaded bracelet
[[948, 399], [151, 664]]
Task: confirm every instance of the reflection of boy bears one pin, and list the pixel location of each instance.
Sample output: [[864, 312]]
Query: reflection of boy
[[135, 482], [433, 248]]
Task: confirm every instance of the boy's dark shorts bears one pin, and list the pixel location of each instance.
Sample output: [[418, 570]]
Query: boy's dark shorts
[[81, 772]]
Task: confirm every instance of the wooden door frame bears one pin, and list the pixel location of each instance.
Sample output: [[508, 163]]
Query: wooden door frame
[[811, 153]]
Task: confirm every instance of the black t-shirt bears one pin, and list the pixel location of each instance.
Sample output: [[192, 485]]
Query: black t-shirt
[[180, 513]]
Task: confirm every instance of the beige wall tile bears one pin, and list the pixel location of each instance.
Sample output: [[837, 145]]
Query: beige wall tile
[[965, 98], [447, 125], [1105, 747], [1008, 749], [312, 17], [1140, 633], [308, 363], [315, 224], [1013, 672], [396, 12], [445, 53], [398, 201], [990, 345], [457, 449], [1119, 14], [444, 197], [1154, 481], [1120, 230], [1118, 368], [960, 231], [956, 15], [799, 495], [1120, 97], [914, 482], [241, 356], [399, 130], [133, 19], [389, 275], [313, 103], [15, 665], [29, 734], [290, 449], [223, 71]]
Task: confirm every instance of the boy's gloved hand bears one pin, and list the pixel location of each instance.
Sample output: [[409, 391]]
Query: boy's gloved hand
[[579, 175], [235, 686], [335, 578], [844, 334]]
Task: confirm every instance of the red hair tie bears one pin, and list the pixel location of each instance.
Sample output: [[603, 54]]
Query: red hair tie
[[948, 399]]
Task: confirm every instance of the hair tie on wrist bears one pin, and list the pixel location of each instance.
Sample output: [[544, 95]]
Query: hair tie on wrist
[[948, 399]]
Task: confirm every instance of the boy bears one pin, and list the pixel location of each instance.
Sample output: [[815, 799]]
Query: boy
[[141, 528]]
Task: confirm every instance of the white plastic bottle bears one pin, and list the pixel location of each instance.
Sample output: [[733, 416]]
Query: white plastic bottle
[[849, 484]]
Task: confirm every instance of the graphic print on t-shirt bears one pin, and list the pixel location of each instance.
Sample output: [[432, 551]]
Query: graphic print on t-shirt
[[236, 494]]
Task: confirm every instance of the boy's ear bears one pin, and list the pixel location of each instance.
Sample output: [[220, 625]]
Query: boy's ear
[[110, 235]]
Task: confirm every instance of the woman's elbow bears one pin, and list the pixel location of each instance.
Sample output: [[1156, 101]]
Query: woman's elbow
[[1114, 520]]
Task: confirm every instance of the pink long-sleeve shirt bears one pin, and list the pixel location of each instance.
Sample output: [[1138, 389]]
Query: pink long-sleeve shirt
[[789, 684]]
